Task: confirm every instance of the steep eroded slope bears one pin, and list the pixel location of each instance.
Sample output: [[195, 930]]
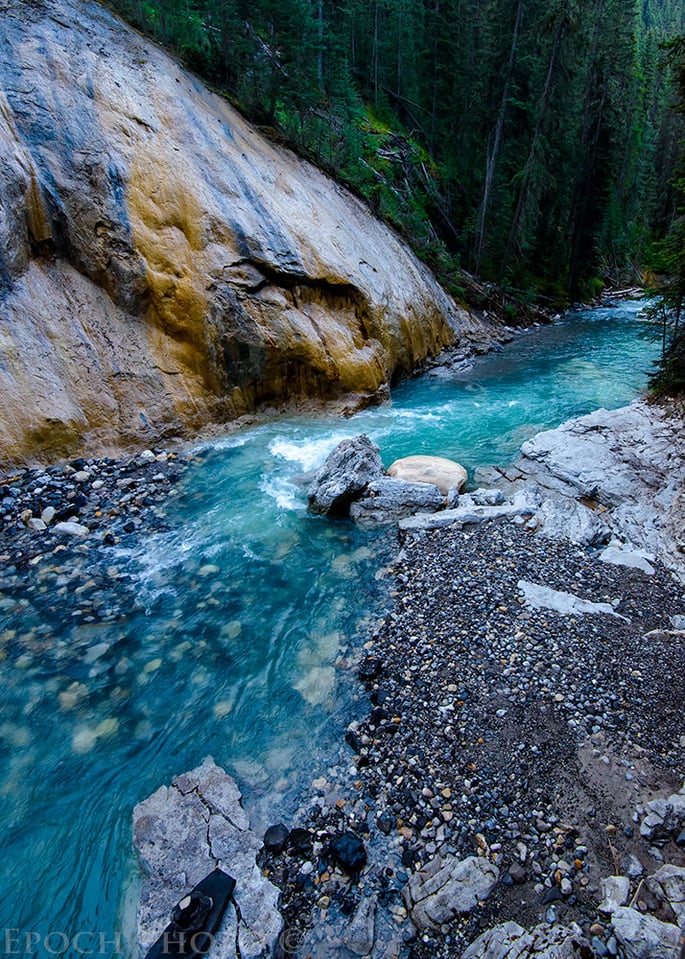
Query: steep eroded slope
[[162, 264]]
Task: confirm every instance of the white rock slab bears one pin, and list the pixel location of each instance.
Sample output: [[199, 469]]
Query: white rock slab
[[567, 604], [627, 557], [71, 529], [184, 831], [645, 937], [615, 892]]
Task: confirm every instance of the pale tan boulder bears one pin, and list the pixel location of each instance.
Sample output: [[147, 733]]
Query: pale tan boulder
[[440, 472]]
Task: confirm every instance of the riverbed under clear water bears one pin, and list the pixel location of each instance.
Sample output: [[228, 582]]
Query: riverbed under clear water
[[229, 625]]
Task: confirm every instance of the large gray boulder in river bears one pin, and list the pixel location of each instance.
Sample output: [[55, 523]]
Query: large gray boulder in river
[[345, 475], [352, 482], [388, 500], [162, 264]]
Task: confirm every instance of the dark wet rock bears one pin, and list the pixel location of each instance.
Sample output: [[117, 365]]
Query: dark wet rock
[[276, 838], [299, 841], [370, 668], [348, 852], [345, 475]]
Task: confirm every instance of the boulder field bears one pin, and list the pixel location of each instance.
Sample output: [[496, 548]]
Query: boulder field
[[613, 477], [163, 265]]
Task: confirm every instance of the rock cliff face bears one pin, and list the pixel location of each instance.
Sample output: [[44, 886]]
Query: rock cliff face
[[162, 265]]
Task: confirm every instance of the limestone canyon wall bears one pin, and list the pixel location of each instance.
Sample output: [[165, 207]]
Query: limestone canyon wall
[[162, 264]]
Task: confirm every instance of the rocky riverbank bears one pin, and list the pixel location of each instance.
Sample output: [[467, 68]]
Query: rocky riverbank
[[520, 759], [523, 713], [60, 531], [528, 738]]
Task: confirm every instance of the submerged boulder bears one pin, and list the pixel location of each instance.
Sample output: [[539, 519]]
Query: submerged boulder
[[344, 476], [444, 473]]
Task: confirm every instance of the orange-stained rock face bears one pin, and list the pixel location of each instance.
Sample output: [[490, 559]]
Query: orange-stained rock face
[[162, 265]]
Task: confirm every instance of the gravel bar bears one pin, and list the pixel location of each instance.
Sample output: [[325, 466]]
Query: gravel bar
[[527, 737]]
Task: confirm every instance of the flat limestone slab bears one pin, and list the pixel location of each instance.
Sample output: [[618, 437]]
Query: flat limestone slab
[[627, 557], [542, 597], [184, 831]]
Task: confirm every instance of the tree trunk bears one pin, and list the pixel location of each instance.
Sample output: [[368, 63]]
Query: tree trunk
[[319, 54], [493, 153], [592, 126], [375, 53], [534, 146]]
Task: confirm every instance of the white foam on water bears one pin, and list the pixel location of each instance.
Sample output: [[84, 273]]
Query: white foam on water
[[249, 553], [230, 442], [417, 416], [282, 490], [308, 454], [150, 560]]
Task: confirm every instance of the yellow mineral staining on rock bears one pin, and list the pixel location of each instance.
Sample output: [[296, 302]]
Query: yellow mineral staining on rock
[[195, 269], [36, 216]]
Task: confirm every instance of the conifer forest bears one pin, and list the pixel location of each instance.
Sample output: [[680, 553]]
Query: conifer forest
[[533, 143]]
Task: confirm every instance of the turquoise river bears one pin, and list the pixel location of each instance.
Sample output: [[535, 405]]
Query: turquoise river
[[233, 626]]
